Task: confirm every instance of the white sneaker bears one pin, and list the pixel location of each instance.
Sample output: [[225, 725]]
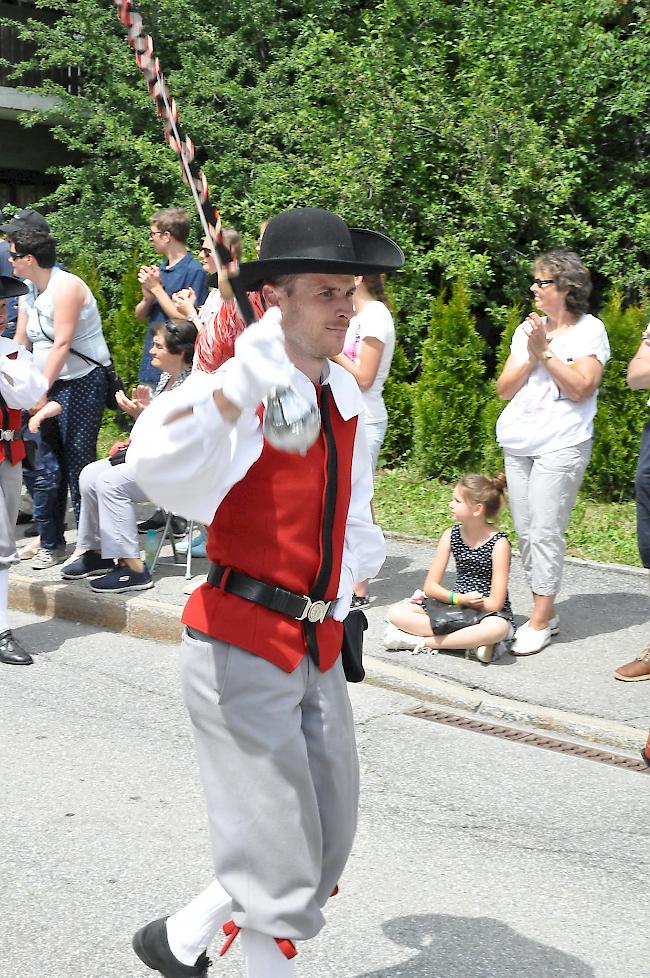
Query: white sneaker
[[395, 638], [484, 653], [529, 641], [48, 558]]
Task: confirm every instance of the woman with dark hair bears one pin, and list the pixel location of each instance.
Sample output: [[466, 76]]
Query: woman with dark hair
[[551, 379], [64, 330], [108, 530], [367, 355]]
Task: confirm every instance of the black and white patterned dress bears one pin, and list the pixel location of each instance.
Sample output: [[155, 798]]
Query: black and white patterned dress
[[474, 567]]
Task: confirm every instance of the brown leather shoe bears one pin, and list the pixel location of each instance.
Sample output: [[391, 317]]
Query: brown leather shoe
[[636, 670]]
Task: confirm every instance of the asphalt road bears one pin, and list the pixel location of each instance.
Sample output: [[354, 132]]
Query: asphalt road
[[475, 858]]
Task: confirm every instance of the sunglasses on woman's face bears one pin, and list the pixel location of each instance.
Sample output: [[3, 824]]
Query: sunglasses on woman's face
[[542, 282]]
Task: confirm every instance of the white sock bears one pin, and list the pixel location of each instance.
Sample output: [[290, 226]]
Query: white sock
[[263, 957], [192, 929], [4, 599]]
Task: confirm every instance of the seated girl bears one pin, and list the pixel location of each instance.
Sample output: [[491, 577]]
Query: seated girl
[[108, 529], [482, 556]]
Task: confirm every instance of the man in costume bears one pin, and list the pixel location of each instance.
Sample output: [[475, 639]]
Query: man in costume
[[288, 536], [21, 386]]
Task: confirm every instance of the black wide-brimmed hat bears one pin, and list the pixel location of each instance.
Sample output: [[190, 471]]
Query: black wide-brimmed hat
[[309, 239], [11, 287]]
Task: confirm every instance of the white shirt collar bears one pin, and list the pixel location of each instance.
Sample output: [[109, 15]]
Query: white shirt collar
[[344, 387]]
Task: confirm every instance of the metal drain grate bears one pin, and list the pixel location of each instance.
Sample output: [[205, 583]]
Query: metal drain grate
[[532, 739]]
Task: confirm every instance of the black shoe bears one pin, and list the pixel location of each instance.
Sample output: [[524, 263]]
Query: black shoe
[[12, 652], [179, 526], [155, 522], [152, 947], [120, 579], [24, 518], [89, 564], [30, 531]]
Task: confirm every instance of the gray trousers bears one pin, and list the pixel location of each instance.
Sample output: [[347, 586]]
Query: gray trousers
[[278, 761], [11, 480], [108, 521], [542, 491]]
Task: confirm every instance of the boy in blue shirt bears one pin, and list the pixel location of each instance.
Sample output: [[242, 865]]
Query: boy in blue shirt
[[180, 270]]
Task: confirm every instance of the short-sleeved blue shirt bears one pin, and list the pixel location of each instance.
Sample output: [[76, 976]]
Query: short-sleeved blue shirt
[[186, 273]]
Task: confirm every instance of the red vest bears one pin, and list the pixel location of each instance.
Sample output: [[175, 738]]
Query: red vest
[[269, 527], [11, 419]]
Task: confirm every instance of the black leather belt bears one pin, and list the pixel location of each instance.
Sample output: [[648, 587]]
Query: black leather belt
[[298, 606]]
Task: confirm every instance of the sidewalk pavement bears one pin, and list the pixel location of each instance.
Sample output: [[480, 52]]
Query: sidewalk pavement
[[567, 689]]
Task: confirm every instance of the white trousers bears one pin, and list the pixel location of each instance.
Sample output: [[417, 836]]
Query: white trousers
[[108, 521], [542, 491], [278, 761]]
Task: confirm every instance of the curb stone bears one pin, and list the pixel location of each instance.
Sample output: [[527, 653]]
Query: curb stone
[[481, 704], [160, 622]]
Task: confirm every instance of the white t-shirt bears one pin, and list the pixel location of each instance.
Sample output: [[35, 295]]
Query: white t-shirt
[[539, 418], [374, 320]]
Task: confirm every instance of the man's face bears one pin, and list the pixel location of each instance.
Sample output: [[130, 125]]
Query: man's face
[[3, 313], [316, 310], [159, 239]]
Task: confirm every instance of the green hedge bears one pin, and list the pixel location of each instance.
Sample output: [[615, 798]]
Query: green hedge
[[450, 392]]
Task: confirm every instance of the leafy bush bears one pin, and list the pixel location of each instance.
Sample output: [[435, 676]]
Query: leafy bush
[[124, 334], [621, 412], [398, 397], [509, 318], [450, 392]]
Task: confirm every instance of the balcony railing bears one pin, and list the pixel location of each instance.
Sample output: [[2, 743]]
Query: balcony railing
[[13, 50]]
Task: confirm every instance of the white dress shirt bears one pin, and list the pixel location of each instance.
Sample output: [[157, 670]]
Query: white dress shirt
[[188, 465], [21, 384]]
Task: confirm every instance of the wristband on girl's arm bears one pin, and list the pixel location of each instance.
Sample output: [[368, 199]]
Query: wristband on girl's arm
[[453, 598]]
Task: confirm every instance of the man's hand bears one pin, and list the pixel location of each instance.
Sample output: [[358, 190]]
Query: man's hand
[[260, 365], [149, 279]]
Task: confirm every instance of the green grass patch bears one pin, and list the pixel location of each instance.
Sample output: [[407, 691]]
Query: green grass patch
[[406, 503], [110, 432]]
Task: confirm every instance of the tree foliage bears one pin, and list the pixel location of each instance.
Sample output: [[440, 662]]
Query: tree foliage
[[476, 133], [450, 393], [621, 412]]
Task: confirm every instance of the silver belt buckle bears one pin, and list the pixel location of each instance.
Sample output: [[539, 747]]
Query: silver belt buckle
[[314, 611], [7, 435]]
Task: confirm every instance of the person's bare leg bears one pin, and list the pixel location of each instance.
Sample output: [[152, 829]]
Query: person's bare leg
[[489, 631], [134, 564], [543, 610], [410, 618]]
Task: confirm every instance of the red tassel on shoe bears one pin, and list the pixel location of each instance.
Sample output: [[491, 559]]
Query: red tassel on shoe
[[231, 930], [287, 947], [335, 890], [645, 753]]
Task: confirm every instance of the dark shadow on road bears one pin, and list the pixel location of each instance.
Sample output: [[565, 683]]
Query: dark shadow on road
[[583, 615], [473, 947]]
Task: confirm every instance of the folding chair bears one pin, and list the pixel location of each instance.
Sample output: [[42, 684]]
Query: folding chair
[[167, 534]]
